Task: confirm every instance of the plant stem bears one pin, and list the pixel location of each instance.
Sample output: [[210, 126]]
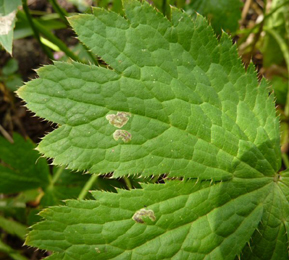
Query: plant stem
[[164, 7], [276, 9], [284, 48], [34, 29], [62, 12], [246, 9], [6, 134], [87, 186], [57, 174], [51, 37], [258, 34], [127, 182], [285, 160], [249, 31]]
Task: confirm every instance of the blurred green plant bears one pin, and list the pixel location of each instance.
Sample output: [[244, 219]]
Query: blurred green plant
[[9, 75], [8, 11], [220, 14]]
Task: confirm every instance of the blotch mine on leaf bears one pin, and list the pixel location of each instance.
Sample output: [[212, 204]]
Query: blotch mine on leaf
[[6, 23], [123, 134], [118, 120], [138, 216]]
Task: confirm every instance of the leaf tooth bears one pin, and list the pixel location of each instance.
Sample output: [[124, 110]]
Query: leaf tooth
[[249, 246], [259, 231]]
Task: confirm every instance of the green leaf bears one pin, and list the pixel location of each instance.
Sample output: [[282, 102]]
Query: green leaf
[[8, 10], [13, 227], [222, 15], [184, 103], [20, 166], [192, 221], [172, 100], [280, 87], [13, 82], [15, 206], [11, 252], [67, 186], [10, 67], [271, 239]]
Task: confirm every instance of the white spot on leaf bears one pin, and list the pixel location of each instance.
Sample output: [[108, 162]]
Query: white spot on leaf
[[140, 214], [118, 120], [123, 134], [6, 23]]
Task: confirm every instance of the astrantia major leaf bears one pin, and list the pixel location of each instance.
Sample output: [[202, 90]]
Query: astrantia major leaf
[[175, 100]]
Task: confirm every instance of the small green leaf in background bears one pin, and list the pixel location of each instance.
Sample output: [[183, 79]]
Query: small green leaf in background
[[12, 227], [280, 87], [10, 67], [82, 5], [15, 206], [222, 14], [13, 82], [68, 185], [9, 75], [21, 167], [8, 11], [49, 21], [79, 50], [114, 5]]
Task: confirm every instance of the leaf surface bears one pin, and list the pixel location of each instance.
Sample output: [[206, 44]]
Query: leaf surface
[[171, 100], [193, 221], [191, 109], [270, 241]]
